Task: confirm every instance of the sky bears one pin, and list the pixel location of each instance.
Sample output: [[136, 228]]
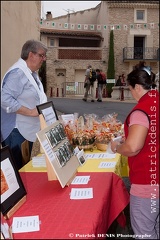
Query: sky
[[59, 8]]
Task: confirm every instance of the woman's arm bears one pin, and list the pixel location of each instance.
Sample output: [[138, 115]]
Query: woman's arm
[[28, 112], [134, 142]]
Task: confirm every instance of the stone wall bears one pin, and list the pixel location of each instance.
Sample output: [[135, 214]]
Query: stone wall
[[106, 13], [19, 23], [122, 38], [123, 93], [70, 67]]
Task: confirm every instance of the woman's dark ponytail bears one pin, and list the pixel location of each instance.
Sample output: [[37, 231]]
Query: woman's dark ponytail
[[142, 75]]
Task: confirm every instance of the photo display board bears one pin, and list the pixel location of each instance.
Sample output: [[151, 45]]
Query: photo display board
[[12, 188], [48, 111], [59, 152]]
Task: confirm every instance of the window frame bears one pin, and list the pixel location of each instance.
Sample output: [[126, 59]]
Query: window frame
[[144, 20], [51, 40]]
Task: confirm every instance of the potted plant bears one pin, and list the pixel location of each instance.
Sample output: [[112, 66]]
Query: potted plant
[[111, 66]]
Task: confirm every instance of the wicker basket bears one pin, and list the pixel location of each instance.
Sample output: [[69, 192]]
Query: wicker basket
[[86, 147], [101, 146]]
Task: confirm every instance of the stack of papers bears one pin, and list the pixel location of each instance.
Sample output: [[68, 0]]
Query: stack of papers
[[81, 193], [25, 224], [39, 161]]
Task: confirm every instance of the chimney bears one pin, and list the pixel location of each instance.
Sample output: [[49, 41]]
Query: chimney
[[48, 16]]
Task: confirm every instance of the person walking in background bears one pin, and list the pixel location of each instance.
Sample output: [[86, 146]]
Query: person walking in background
[[123, 80], [88, 84], [119, 84], [21, 91], [101, 81], [141, 146], [119, 81]]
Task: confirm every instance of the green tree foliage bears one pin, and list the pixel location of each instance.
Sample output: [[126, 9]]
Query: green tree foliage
[[111, 66], [42, 75]]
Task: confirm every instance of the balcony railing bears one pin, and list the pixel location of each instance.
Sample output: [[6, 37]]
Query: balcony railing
[[139, 53], [77, 89]]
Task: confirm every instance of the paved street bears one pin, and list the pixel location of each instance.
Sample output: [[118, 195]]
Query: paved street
[[72, 105]]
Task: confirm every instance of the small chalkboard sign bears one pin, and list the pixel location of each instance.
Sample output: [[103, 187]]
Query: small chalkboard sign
[[48, 111]]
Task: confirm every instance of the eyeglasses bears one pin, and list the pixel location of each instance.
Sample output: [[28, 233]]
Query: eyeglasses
[[41, 55]]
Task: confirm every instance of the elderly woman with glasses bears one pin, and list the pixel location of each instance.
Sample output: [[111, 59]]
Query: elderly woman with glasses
[[21, 92], [141, 146]]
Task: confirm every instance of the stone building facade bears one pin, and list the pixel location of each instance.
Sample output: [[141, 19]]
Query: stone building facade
[[19, 23], [81, 38]]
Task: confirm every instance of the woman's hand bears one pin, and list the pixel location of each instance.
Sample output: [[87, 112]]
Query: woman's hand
[[122, 139], [134, 142], [28, 112], [114, 145]]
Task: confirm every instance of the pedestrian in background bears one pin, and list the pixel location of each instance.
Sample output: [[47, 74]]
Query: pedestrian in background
[[119, 84], [21, 92], [101, 81], [141, 146], [88, 84], [119, 81], [123, 80]]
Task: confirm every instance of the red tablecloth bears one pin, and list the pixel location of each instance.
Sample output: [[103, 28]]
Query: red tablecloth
[[63, 218]]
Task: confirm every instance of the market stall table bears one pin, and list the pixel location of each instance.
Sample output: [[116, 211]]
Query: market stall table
[[63, 218], [29, 168], [91, 165]]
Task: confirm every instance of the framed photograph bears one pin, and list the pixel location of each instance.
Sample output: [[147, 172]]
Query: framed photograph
[[48, 111], [51, 138], [12, 188], [81, 157], [60, 155], [60, 158]]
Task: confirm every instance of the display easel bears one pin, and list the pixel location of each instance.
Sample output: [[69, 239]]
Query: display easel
[[25, 152], [43, 125], [64, 174], [51, 174], [15, 208]]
